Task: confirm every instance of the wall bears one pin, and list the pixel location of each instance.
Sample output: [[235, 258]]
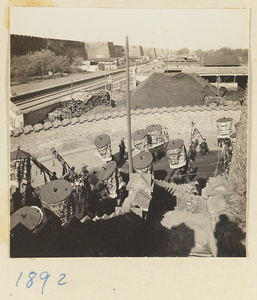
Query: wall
[[16, 116], [22, 44], [39, 115], [225, 218], [81, 132], [238, 166]]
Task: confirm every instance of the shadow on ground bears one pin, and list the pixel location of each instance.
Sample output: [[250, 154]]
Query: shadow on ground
[[229, 237]]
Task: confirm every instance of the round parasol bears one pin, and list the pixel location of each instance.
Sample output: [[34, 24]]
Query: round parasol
[[174, 144], [138, 135], [154, 127], [102, 140], [142, 160], [19, 154], [107, 170], [29, 216]]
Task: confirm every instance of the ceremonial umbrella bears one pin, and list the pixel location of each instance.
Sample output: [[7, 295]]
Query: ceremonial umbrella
[[19, 154]]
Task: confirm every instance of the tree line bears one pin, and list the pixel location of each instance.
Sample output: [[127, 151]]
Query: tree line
[[39, 63], [241, 53]]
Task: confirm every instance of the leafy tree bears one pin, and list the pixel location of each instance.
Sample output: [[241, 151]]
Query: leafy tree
[[20, 69], [198, 53], [77, 61], [209, 52], [224, 51], [61, 64], [183, 51]]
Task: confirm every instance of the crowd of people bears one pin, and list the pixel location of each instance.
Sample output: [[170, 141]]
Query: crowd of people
[[89, 192]]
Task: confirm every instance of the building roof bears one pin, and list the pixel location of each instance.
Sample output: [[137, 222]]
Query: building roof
[[221, 60]]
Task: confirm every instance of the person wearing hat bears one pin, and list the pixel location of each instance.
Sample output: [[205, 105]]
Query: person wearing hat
[[122, 149], [29, 194], [194, 132], [31, 198], [204, 147], [53, 177], [70, 175], [191, 170], [85, 170]]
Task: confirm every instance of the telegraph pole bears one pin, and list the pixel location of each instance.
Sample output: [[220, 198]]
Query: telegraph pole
[[128, 109], [71, 84]]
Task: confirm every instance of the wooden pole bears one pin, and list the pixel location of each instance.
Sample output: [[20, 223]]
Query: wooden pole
[[105, 87], [128, 109], [71, 88]]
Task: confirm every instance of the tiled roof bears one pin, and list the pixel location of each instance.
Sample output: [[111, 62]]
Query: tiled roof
[[221, 60]]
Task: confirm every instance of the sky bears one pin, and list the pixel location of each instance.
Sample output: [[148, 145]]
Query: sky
[[160, 28]]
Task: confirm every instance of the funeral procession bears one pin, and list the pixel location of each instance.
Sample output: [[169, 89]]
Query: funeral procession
[[125, 150]]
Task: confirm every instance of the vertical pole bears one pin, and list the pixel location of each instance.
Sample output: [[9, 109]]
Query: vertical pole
[[112, 82], [71, 88], [104, 79], [42, 69], [128, 109]]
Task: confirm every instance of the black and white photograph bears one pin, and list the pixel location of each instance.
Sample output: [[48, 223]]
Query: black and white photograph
[[128, 132]]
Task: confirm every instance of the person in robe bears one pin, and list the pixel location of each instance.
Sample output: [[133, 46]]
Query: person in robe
[[17, 197], [122, 149]]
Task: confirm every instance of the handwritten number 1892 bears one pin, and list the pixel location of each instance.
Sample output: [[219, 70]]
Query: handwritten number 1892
[[32, 275], [43, 276]]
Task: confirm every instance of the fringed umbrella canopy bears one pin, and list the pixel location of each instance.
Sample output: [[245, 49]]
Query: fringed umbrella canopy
[[19, 154]]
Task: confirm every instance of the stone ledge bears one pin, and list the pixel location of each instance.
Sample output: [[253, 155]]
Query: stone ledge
[[138, 111], [171, 109], [38, 127], [106, 115], [47, 125], [15, 132], [91, 118], [99, 116], [57, 123], [146, 111], [194, 107], [178, 108], [82, 119], [28, 129], [163, 109], [155, 110], [186, 108], [115, 114], [75, 121], [122, 113], [66, 122]]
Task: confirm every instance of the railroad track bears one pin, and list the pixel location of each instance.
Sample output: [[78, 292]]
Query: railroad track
[[32, 102]]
